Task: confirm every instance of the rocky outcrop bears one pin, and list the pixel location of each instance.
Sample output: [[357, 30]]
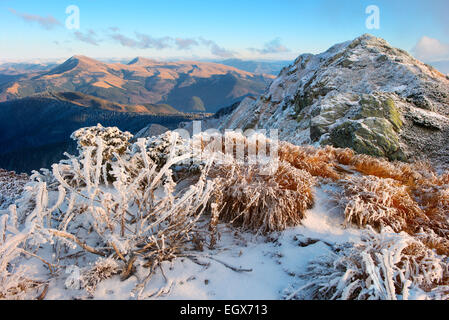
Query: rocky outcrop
[[363, 94]]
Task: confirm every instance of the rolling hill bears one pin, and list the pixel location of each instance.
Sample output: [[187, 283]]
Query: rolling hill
[[89, 101]]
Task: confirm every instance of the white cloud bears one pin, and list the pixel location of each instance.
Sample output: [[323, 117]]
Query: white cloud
[[429, 49], [273, 46], [185, 43], [216, 50], [89, 37], [48, 22]]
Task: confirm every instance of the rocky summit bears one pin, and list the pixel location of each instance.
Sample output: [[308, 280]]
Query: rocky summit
[[362, 94]]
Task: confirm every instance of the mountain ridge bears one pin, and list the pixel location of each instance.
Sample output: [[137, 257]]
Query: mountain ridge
[[363, 94], [142, 81], [88, 101]]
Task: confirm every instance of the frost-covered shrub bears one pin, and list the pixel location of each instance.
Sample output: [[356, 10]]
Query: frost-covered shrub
[[258, 193], [140, 214], [379, 202], [15, 283], [112, 138], [369, 200], [11, 187], [168, 145], [248, 197], [434, 199], [97, 146], [103, 268], [161, 148], [384, 266]]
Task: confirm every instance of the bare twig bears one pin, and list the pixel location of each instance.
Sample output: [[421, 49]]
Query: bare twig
[[219, 261], [70, 236], [43, 293]]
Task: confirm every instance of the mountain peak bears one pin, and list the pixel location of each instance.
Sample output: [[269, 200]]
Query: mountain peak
[[81, 58], [141, 61], [78, 57], [76, 62], [363, 94], [368, 40], [368, 37]]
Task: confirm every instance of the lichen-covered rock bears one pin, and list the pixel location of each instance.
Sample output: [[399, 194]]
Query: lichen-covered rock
[[372, 136], [370, 106]]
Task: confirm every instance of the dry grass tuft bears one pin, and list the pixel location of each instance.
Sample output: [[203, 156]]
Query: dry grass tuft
[[248, 198], [369, 200], [317, 162]]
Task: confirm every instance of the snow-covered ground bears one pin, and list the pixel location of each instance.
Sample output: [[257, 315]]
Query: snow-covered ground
[[273, 262], [112, 223]]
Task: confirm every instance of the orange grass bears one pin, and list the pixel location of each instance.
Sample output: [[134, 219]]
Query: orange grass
[[405, 196], [246, 197]]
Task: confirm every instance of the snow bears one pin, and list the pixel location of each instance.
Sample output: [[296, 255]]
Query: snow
[[272, 264]]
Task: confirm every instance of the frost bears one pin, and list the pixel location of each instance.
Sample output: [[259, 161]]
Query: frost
[[383, 266], [114, 215]]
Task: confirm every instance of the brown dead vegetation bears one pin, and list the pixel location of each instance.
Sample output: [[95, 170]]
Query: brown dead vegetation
[[248, 197], [409, 197]]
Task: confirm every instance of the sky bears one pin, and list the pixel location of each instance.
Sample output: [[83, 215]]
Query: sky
[[217, 29]]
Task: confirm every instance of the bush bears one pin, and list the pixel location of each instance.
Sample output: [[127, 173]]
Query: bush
[[140, 214], [249, 198], [385, 266]]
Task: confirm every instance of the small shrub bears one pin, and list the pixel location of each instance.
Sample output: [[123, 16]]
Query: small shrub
[[385, 266], [253, 200], [369, 200], [112, 139], [103, 268]]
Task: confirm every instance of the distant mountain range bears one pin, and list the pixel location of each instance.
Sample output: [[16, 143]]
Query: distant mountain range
[[21, 68], [41, 104], [186, 86], [257, 67]]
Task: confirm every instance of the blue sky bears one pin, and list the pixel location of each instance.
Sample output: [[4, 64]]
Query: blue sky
[[198, 29]]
